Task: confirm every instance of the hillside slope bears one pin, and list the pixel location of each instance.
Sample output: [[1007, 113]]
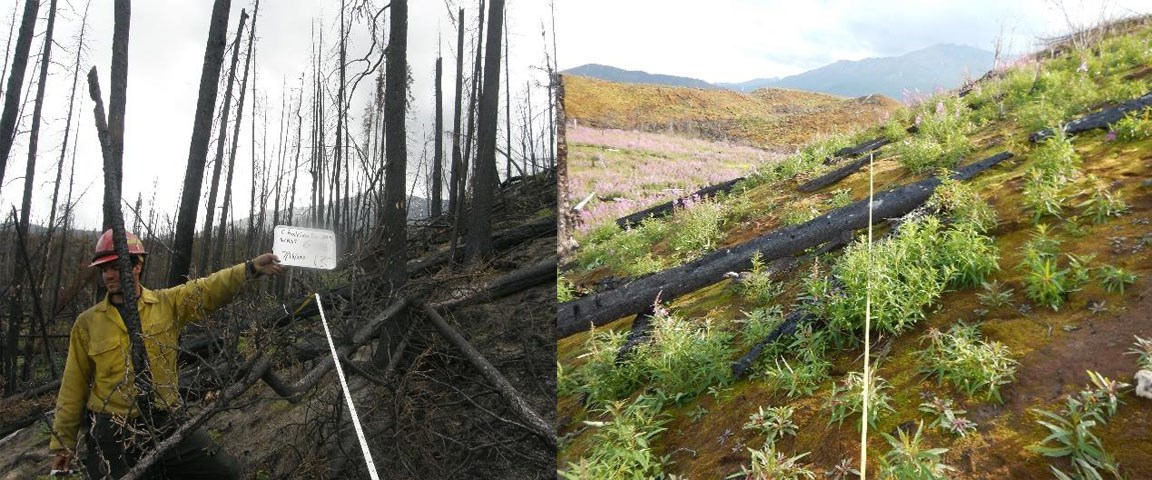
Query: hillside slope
[[766, 118], [987, 307]]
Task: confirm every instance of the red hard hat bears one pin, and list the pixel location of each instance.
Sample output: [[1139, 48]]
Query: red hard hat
[[105, 252]]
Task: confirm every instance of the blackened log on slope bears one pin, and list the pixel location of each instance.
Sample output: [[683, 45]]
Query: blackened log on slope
[[833, 176], [862, 148], [791, 323], [1101, 119], [501, 240], [579, 315], [639, 333], [667, 207]]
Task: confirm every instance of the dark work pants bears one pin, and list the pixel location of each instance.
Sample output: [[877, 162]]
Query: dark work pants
[[113, 450]]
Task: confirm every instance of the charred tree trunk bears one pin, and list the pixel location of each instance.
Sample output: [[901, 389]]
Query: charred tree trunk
[[834, 176], [1101, 119], [113, 177], [8, 118], [457, 155], [393, 215], [599, 309], [221, 140], [218, 254], [438, 154], [666, 208], [480, 221], [198, 150]]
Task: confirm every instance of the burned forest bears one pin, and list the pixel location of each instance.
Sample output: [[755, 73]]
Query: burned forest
[[420, 138]]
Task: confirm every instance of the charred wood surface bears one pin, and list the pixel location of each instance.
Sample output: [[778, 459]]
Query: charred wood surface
[[595, 310], [833, 176], [1101, 119], [666, 208]]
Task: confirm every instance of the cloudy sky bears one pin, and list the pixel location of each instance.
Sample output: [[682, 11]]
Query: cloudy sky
[[165, 56], [739, 40]]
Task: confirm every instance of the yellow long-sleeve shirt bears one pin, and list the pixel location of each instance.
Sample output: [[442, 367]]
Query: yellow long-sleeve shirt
[[97, 376]]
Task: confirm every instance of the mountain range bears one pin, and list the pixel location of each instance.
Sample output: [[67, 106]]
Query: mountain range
[[939, 66]]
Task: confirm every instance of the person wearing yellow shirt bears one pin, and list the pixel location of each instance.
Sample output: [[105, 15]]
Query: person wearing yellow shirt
[[98, 390]]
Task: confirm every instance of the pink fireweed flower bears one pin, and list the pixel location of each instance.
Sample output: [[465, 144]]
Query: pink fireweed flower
[[940, 107], [1083, 68], [1111, 136]]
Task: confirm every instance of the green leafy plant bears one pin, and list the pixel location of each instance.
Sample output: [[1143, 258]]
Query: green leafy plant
[[909, 459], [684, 358], [961, 358], [840, 198], [798, 212], [1079, 271], [948, 419], [768, 464], [758, 323], [1136, 125], [847, 398], [696, 228], [961, 203], [1070, 435], [756, 285], [1143, 351], [1044, 282], [1102, 203], [602, 379], [565, 291], [1114, 279], [622, 446], [995, 295], [773, 423], [799, 380]]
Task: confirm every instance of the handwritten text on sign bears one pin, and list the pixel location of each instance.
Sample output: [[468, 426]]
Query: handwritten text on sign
[[304, 247]]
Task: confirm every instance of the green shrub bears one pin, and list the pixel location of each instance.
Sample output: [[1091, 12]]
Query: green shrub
[[800, 380], [695, 229], [768, 464], [1114, 279], [685, 357], [1070, 431], [974, 366], [601, 379], [960, 203], [1143, 351], [758, 323], [773, 423], [847, 398], [756, 285], [1044, 282], [1102, 204], [910, 460], [621, 448], [1136, 125], [948, 419], [995, 295], [627, 251]]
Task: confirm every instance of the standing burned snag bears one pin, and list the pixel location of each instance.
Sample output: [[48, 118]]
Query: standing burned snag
[[438, 155], [479, 244], [198, 148], [218, 251], [11, 111], [210, 209]]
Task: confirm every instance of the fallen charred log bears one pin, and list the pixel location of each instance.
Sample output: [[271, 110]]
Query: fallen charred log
[[791, 323], [595, 310], [666, 208], [534, 422], [833, 176], [862, 148], [1101, 119]]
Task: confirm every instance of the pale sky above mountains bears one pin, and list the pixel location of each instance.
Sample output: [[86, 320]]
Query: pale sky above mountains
[[739, 40]]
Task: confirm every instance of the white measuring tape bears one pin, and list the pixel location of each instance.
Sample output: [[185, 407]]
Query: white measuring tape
[[347, 394]]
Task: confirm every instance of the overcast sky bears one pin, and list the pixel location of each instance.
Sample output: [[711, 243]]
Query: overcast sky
[[165, 58], [740, 40]]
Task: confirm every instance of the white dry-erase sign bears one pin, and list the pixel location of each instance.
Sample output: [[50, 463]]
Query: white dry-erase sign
[[304, 247]]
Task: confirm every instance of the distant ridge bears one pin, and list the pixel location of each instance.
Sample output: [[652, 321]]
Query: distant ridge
[[613, 74], [939, 66]]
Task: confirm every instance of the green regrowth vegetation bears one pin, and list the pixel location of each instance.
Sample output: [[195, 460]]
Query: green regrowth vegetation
[[757, 324], [1055, 164], [942, 140], [768, 464], [628, 251], [947, 418], [808, 161], [847, 398], [1070, 431], [1114, 279], [695, 228], [807, 370], [773, 423], [1044, 281], [1102, 204], [962, 359], [1143, 351], [756, 285], [908, 274], [681, 358], [909, 459], [622, 446], [565, 291], [1136, 125]]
